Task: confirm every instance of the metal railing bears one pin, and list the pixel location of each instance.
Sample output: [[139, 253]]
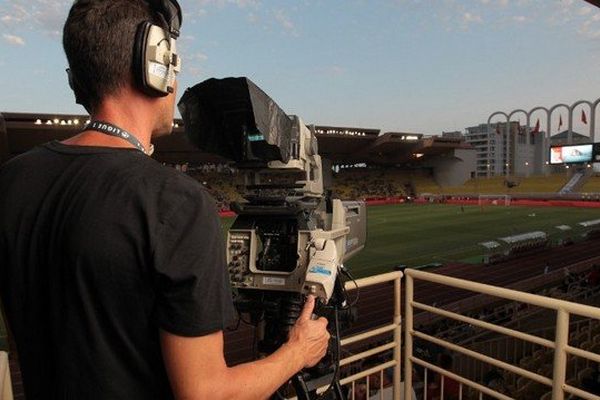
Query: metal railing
[[393, 327], [559, 345]]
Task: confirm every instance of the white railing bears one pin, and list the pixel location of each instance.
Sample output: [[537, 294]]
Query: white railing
[[559, 345], [393, 327]]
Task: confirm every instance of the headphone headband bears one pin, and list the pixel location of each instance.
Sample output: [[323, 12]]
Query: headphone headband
[[155, 60], [171, 12]]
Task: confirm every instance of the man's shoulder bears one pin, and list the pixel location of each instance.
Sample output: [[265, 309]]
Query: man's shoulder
[[23, 158], [170, 179], [173, 190]]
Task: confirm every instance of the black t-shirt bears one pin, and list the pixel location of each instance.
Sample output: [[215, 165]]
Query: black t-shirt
[[99, 248]]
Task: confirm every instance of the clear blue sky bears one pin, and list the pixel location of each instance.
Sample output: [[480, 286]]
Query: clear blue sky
[[410, 65]]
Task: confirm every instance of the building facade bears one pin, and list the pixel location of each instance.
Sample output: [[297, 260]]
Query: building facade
[[499, 154]]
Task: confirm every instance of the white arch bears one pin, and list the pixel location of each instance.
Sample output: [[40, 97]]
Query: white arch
[[545, 141], [593, 119], [550, 112], [492, 116], [571, 110], [534, 109], [547, 136]]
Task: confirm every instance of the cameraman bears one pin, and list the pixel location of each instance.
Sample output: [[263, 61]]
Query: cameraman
[[112, 267]]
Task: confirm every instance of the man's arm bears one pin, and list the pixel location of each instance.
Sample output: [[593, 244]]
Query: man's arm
[[197, 369]]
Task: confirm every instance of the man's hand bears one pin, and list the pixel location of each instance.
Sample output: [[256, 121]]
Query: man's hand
[[197, 369], [309, 337]]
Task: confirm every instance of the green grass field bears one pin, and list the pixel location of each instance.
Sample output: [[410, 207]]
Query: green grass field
[[420, 234]]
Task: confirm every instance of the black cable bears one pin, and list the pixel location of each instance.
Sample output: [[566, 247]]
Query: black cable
[[349, 275], [279, 395], [336, 369], [237, 324]]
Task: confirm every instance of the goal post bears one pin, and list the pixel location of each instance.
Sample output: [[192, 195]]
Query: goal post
[[494, 200]]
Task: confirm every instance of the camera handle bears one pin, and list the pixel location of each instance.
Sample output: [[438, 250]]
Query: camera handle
[[308, 390], [303, 392], [280, 316]]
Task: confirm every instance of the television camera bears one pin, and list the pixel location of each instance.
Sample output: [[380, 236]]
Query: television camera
[[290, 238]]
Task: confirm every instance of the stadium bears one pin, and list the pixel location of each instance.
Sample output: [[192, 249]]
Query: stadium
[[507, 269]]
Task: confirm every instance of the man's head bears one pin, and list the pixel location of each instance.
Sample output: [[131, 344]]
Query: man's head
[[104, 43]]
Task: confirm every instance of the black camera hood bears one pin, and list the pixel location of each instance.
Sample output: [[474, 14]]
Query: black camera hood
[[235, 119]]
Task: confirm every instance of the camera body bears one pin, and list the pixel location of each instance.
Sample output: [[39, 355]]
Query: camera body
[[289, 236]]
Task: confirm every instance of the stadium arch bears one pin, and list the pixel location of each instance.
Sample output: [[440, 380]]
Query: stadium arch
[[592, 117]]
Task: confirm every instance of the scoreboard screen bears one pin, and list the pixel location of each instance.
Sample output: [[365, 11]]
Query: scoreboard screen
[[571, 154]]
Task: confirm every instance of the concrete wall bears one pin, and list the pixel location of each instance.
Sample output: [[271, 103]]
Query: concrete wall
[[527, 159], [455, 168]]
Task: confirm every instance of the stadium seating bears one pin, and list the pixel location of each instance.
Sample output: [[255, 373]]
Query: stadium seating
[[498, 184], [221, 181], [584, 334], [592, 185], [224, 182], [365, 183]]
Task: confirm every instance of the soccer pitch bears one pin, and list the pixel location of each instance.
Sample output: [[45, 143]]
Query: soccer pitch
[[414, 235]]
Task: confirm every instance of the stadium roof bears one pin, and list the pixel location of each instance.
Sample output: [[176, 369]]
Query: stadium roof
[[342, 145], [565, 135]]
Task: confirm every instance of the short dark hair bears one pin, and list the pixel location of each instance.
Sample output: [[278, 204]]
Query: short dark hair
[[98, 39]]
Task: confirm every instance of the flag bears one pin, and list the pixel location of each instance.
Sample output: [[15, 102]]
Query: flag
[[498, 129], [560, 123], [583, 117], [537, 127]]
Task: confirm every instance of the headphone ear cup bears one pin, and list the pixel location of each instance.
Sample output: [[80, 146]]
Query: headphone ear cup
[[80, 95], [139, 56]]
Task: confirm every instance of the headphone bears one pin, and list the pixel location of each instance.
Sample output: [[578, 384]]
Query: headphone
[[155, 58]]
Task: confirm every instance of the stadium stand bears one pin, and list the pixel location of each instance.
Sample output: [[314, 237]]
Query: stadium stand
[[592, 185], [496, 185], [220, 180], [365, 183]]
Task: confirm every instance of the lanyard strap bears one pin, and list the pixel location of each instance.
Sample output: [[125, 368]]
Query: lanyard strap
[[113, 130]]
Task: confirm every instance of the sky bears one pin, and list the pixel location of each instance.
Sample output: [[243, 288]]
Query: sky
[[423, 66]]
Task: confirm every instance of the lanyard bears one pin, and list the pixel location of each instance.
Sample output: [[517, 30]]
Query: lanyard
[[112, 130]]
